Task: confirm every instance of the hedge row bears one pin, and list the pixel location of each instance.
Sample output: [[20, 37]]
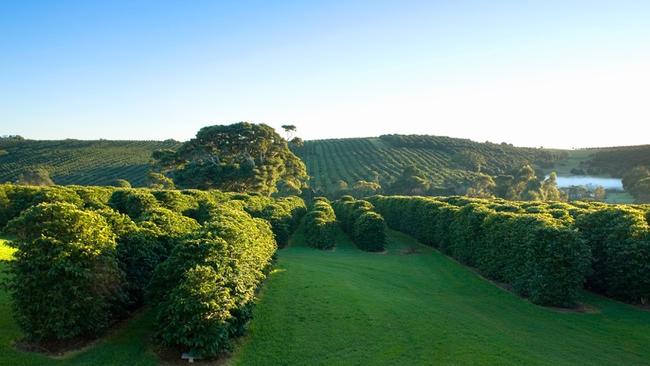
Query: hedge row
[[284, 214], [538, 255], [203, 293], [96, 250], [365, 226], [619, 238], [320, 225], [617, 235]]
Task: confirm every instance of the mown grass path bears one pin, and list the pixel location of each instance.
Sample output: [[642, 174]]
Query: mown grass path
[[348, 307]]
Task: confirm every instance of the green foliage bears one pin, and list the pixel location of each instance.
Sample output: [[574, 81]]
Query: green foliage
[[121, 183], [619, 238], [93, 197], [242, 157], [203, 290], [637, 182], [110, 246], [538, 255], [320, 225], [283, 214], [133, 202], [159, 181], [14, 199], [195, 313], [411, 181], [618, 161], [177, 201], [365, 226], [364, 188], [65, 279]]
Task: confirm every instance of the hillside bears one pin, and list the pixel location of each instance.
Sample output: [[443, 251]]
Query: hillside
[[97, 162], [441, 158]]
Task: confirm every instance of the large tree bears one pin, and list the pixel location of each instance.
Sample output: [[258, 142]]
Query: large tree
[[242, 157]]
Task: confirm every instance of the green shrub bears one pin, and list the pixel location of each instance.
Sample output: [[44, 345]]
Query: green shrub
[[320, 225], [133, 202], [94, 197], [65, 279], [366, 228], [176, 201], [202, 293], [540, 256], [15, 199], [283, 214], [195, 314], [619, 238]]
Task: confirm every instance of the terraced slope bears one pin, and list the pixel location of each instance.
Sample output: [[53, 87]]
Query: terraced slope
[[97, 162]]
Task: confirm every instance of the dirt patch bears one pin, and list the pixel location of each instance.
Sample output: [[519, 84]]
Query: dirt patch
[[410, 250], [579, 308]]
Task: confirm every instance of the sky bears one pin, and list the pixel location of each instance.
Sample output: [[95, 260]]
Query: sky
[[549, 73]]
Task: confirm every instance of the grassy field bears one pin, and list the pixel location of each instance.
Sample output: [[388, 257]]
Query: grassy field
[[620, 198], [347, 307]]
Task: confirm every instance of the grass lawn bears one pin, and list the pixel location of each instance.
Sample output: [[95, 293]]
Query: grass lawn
[[619, 197], [352, 308]]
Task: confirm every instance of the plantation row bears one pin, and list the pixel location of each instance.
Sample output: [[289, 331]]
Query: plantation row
[[350, 160], [80, 162], [365, 226], [545, 251], [320, 225], [88, 256]]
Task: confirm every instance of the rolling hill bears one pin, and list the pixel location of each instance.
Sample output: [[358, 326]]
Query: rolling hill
[[329, 161], [97, 162], [441, 158]]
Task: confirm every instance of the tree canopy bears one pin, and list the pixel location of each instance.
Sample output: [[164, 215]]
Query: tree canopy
[[241, 157]]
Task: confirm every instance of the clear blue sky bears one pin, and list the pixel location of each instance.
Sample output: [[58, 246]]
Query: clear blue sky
[[516, 71]]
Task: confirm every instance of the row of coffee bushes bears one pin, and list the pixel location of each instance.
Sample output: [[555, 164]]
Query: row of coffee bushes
[[536, 254], [365, 226], [284, 214], [203, 293], [619, 239], [320, 225], [481, 232], [87, 256]]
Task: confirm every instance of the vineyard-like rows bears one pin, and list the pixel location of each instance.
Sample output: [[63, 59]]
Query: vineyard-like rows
[[81, 162], [353, 159], [88, 256]]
